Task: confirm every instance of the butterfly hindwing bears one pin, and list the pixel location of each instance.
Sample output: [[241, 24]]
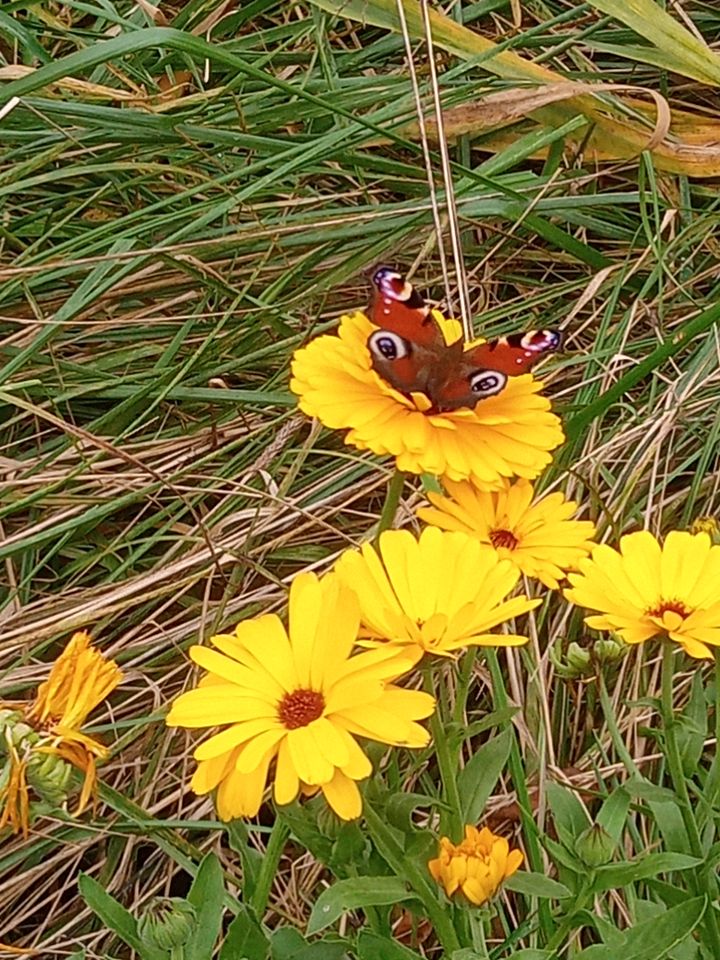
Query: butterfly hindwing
[[517, 353]]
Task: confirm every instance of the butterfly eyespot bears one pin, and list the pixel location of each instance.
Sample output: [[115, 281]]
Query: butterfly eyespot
[[486, 383], [385, 345]]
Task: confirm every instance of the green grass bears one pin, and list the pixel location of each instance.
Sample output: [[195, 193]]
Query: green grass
[[159, 262]]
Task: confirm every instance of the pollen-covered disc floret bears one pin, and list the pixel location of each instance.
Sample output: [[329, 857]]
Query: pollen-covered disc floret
[[538, 535], [646, 589], [507, 435], [475, 867], [294, 701], [439, 592]]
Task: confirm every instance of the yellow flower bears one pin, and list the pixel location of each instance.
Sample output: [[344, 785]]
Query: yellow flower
[[539, 536], [440, 592], [647, 590], [507, 435], [297, 697], [79, 680], [477, 866]]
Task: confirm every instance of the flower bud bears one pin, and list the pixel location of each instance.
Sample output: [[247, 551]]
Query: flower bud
[[166, 922], [707, 525], [49, 776], [595, 846]]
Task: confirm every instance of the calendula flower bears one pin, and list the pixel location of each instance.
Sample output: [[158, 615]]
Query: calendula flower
[[538, 536], [647, 590], [476, 867], [298, 698], [440, 592], [41, 739], [510, 434]]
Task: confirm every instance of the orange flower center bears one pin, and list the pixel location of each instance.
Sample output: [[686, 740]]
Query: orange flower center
[[668, 606], [299, 708], [503, 538]]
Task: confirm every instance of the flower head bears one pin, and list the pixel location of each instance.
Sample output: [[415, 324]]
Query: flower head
[[475, 867], [40, 740], [647, 590], [507, 435], [297, 697], [440, 592], [539, 536]]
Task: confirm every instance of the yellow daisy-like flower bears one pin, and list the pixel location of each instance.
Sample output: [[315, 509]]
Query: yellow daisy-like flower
[[298, 697], [647, 590], [507, 435], [79, 680], [477, 866], [441, 592], [539, 537]]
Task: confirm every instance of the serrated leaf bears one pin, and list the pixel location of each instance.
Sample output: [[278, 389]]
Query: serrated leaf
[[207, 895], [477, 779], [653, 939], [350, 894], [536, 885], [619, 875]]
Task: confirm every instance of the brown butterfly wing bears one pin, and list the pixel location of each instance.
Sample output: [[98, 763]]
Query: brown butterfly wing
[[517, 353]]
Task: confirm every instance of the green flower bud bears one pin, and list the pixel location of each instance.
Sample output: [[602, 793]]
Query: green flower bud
[[573, 664], [595, 846], [609, 650], [166, 923], [49, 776]]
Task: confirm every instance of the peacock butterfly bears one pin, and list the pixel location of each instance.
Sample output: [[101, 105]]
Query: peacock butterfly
[[410, 353]]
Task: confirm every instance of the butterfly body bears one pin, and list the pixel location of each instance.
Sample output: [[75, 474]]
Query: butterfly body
[[409, 350]]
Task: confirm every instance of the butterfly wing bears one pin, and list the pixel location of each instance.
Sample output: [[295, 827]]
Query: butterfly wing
[[517, 353], [406, 345]]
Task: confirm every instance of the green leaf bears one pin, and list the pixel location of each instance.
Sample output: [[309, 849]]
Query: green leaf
[[653, 939], [536, 885], [114, 915], [569, 814], [350, 894], [532, 954], [692, 727], [613, 813], [207, 895], [289, 944], [371, 946], [245, 938], [477, 779], [619, 875]]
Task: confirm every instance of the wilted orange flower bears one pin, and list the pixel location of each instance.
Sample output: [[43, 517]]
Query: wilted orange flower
[[475, 867], [50, 727]]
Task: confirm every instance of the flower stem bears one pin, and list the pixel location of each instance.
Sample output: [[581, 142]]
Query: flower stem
[[268, 869], [405, 868], [705, 883], [452, 822], [392, 499]]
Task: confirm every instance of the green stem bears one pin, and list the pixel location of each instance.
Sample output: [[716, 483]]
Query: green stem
[[268, 868], [713, 780], [452, 823], [705, 884], [614, 730], [404, 867], [672, 753], [392, 499], [477, 925], [517, 774]]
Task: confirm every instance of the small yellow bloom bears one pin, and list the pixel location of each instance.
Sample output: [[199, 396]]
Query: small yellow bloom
[[476, 867], [539, 537], [441, 592], [507, 435], [79, 680], [647, 590], [298, 699]]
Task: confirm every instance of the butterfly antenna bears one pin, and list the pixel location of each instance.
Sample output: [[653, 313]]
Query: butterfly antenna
[[427, 156], [447, 180]]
